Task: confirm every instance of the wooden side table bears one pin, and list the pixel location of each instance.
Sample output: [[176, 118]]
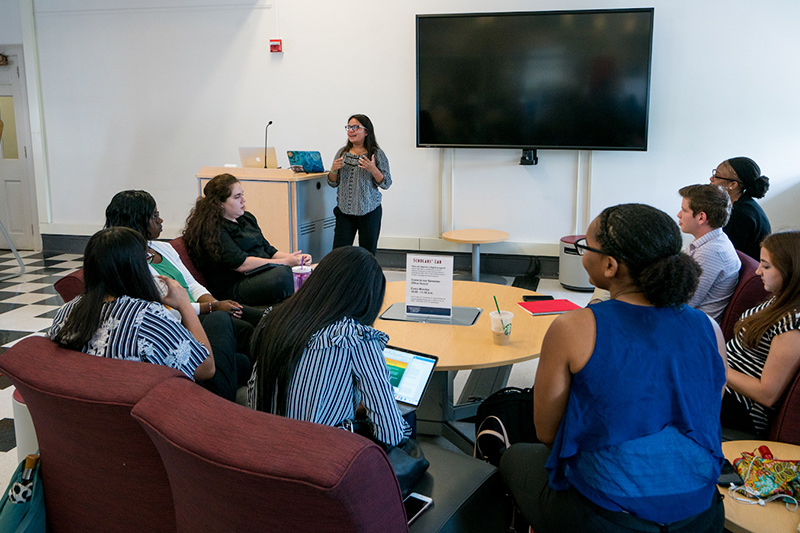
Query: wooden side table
[[772, 517], [475, 237]]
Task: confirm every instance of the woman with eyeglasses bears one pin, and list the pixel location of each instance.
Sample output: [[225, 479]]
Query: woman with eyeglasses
[[748, 225], [229, 333], [137, 210], [627, 394], [121, 314], [358, 172]]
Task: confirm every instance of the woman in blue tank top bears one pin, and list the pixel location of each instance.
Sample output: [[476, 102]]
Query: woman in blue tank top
[[628, 392]]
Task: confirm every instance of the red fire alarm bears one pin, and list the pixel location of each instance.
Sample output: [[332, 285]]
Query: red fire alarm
[[275, 45]]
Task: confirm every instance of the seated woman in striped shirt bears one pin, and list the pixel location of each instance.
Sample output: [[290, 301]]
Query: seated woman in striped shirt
[[229, 335], [120, 314], [318, 358], [764, 353]]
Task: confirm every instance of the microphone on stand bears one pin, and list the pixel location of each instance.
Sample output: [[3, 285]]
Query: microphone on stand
[[265, 143]]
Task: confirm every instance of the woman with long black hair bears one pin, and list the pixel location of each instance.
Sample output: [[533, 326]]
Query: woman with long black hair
[[121, 314], [318, 358], [230, 334]]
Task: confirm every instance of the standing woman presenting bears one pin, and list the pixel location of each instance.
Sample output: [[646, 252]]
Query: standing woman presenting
[[360, 168]]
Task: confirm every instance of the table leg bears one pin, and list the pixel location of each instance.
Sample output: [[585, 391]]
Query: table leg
[[436, 406], [476, 262], [435, 412], [480, 384]]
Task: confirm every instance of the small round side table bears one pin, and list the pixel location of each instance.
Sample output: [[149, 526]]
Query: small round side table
[[475, 237]]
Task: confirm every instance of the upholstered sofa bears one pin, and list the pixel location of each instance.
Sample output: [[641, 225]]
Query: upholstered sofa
[[129, 446]]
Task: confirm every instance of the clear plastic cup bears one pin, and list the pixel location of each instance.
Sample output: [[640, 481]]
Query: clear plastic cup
[[300, 275], [501, 326]]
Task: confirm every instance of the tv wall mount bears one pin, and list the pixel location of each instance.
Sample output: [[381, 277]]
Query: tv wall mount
[[529, 157]]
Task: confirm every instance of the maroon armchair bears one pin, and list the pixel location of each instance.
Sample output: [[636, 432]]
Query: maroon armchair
[[180, 246], [100, 470], [72, 284], [236, 469], [786, 424], [748, 293]]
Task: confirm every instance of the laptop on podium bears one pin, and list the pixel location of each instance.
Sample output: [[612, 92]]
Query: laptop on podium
[[305, 161], [253, 157]]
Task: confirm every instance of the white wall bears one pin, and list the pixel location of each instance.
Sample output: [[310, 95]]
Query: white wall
[[10, 30], [143, 94]]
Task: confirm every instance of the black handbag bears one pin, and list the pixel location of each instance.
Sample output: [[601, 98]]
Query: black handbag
[[407, 459], [409, 464], [503, 419]]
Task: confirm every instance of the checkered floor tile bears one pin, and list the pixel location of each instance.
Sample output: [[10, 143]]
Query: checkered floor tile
[[28, 303]]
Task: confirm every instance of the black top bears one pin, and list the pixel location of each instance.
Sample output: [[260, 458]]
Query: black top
[[747, 227], [238, 241]]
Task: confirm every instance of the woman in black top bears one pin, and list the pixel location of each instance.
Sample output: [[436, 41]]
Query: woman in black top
[[225, 242], [748, 225]]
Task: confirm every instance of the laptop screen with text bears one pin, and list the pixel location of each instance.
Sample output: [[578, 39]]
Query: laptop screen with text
[[409, 373]]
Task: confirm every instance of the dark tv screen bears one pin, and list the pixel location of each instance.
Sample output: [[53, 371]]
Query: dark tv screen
[[551, 80]]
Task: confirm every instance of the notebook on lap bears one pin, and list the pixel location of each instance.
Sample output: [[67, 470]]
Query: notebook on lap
[[409, 372], [301, 161]]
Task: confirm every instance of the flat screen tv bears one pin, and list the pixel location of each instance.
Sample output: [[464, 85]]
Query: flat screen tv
[[575, 80]]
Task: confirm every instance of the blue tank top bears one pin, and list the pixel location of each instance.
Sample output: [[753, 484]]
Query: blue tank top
[[641, 430]]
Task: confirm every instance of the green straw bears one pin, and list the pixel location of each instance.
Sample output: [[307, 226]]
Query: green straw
[[506, 329]]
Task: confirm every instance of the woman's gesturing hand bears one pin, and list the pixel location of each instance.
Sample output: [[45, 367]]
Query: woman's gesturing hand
[[368, 163]]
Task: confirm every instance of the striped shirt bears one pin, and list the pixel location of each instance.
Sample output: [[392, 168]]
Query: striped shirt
[[343, 366], [138, 330], [720, 272], [357, 191], [751, 363]]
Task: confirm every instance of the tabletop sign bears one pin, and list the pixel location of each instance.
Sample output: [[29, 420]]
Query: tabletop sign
[[429, 285]]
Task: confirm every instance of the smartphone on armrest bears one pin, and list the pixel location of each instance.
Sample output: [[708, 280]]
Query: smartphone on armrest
[[415, 504]]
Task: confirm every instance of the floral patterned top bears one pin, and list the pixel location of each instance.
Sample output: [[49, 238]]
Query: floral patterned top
[[138, 330]]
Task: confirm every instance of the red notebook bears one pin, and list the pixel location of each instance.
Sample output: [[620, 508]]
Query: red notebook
[[548, 307]]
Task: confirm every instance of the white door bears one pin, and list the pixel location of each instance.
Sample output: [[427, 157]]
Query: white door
[[16, 167]]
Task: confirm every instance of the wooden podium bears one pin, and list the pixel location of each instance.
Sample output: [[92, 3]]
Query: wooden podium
[[294, 210]]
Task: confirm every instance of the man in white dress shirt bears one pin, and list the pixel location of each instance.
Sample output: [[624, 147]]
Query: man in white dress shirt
[[704, 211]]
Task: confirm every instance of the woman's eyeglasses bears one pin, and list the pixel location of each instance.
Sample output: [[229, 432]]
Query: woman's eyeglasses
[[354, 128], [581, 247], [715, 175], [155, 215]]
